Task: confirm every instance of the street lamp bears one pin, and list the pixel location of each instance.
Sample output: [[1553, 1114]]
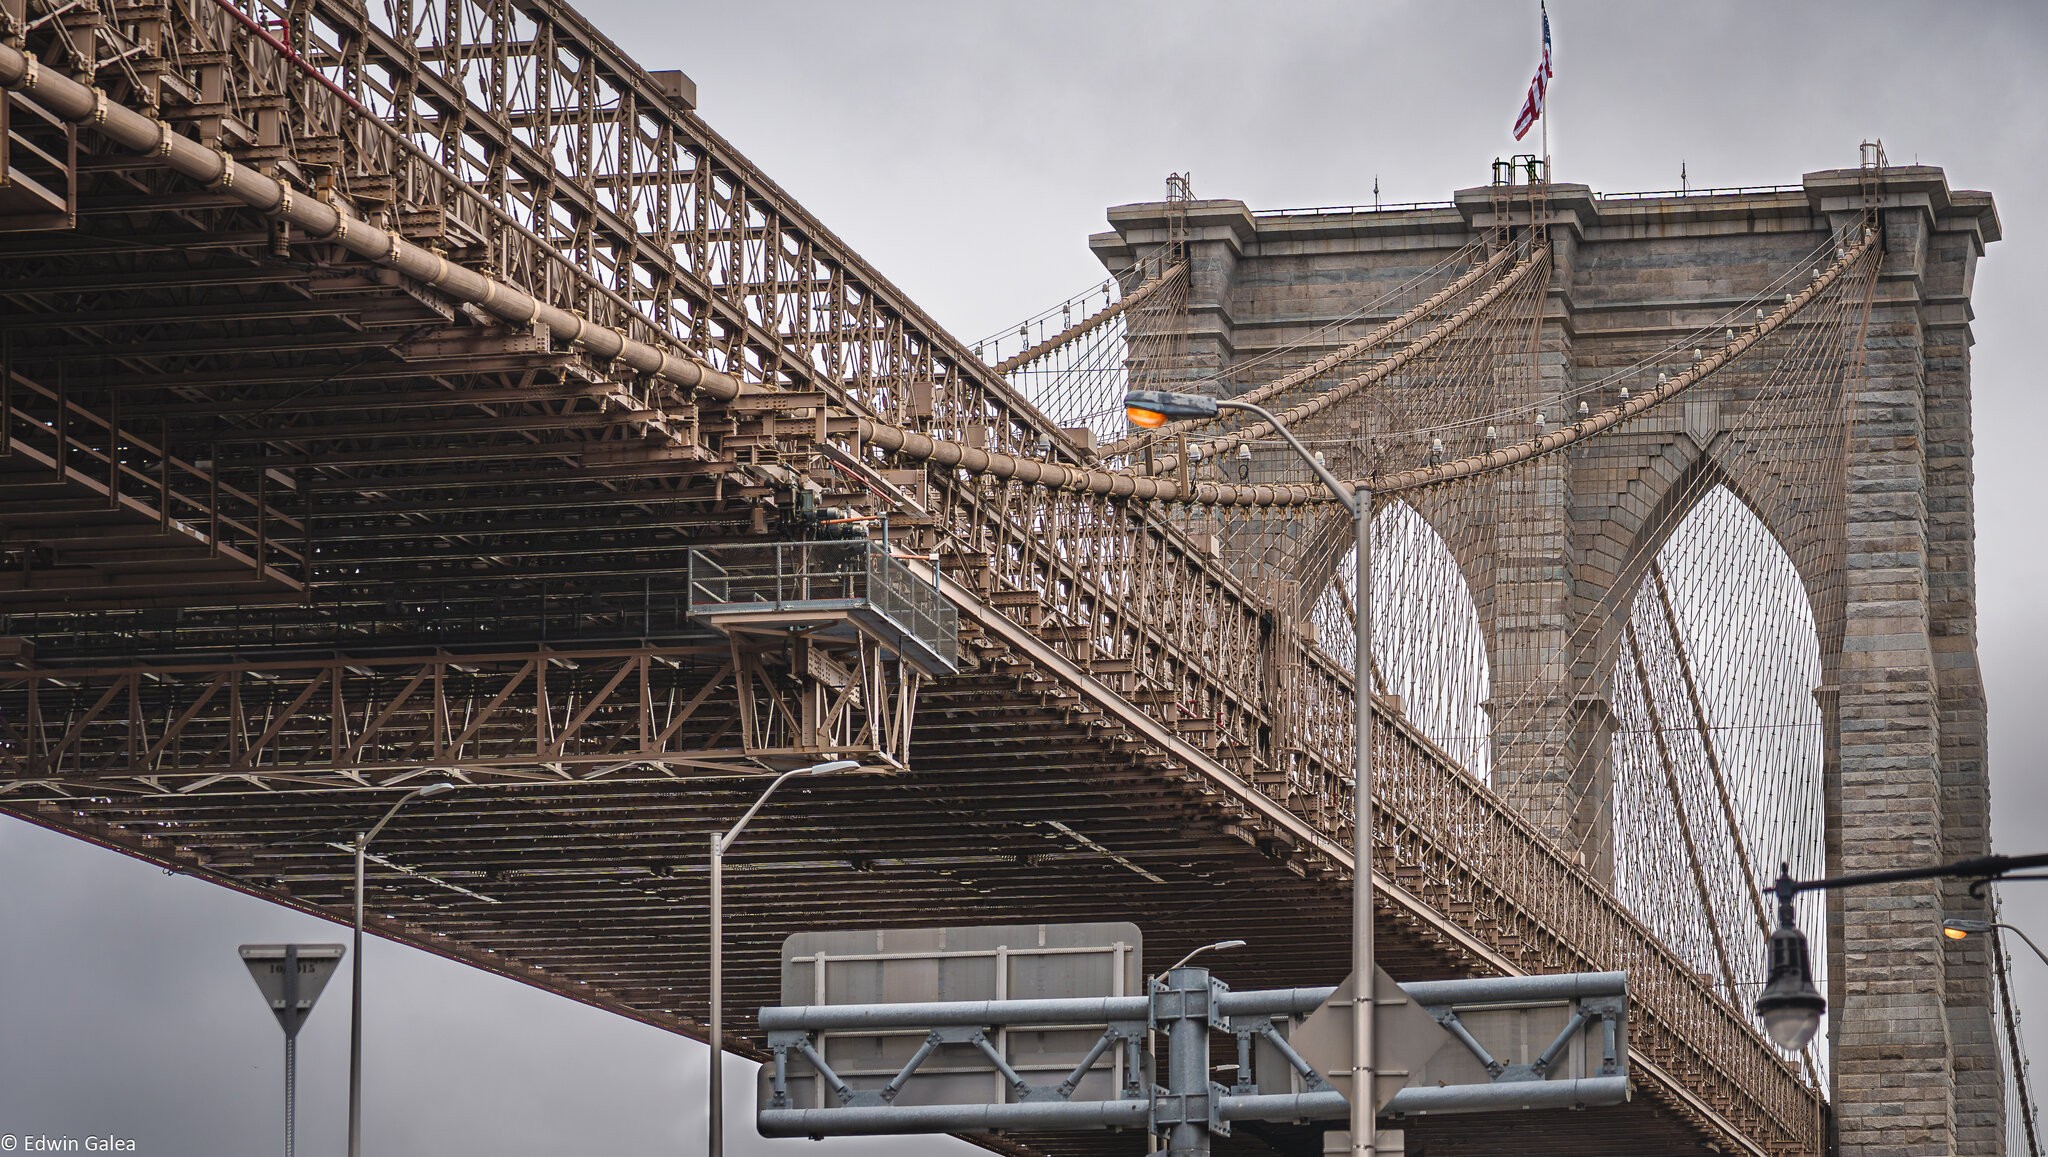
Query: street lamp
[[355, 1012], [1151, 409], [1790, 1006], [1959, 929], [720, 841]]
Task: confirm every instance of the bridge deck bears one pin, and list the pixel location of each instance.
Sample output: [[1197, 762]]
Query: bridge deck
[[282, 528]]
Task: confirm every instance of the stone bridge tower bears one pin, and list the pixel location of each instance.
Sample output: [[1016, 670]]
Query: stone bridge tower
[[1914, 1062]]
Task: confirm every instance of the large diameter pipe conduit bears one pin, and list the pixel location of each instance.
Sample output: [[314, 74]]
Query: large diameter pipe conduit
[[1330, 360], [1378, 373], [1324, 1105], [1606, 419], [82, 105], [1137, 486], [1232, 1002], [322, 221]]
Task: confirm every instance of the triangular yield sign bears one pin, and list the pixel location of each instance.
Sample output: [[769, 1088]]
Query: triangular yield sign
[[290, 976]]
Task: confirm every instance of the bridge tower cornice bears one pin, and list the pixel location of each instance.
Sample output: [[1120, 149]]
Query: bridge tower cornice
[[1566, 208]]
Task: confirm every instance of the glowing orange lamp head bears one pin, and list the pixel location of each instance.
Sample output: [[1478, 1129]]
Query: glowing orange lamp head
[[1151, 409]]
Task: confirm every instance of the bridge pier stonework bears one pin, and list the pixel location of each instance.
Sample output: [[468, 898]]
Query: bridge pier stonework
[[1888, 571]]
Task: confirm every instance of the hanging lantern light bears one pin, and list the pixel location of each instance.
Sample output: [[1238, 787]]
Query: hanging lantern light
[[1790, 1007]]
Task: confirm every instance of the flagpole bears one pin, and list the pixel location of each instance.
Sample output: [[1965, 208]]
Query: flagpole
[[1547, 75]]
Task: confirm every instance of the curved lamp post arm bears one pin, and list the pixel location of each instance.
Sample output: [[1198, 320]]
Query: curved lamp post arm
[[1344, 494], [1218, 945], [732, 834], [363, 838], [715, 1125], [1364, 1061], [1182, 962], [355, 1012], [1151, 409], [2022, 935], [1791, 1007]]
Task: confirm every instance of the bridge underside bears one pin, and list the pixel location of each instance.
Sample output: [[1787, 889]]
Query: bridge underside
[[281, 532], [594, 887], [258, 500]]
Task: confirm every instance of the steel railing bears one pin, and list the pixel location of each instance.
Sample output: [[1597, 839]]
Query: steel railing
[[798, 577]]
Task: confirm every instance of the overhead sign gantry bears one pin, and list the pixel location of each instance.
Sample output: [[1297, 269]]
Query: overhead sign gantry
[[866, 1053]]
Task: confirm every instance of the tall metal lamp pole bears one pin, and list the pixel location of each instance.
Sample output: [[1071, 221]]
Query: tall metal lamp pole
[[1958, 929], [1151, 409], [720, 842], [355, 1012]]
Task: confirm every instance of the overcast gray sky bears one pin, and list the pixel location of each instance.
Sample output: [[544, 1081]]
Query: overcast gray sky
[[968, 149]]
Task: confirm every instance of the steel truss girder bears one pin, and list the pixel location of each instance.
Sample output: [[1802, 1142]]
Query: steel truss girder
[[224, 530], [803, 697], [912, 385], [1457, 849], [619, 714]]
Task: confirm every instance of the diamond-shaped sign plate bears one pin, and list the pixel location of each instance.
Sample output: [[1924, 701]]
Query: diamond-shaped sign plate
[[1404, 1037], [1481, 1044]]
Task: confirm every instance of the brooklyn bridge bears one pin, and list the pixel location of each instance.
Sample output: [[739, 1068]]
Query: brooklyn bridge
[[422, 392]]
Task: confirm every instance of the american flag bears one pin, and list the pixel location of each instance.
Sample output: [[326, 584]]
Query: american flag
[[1532, 108]]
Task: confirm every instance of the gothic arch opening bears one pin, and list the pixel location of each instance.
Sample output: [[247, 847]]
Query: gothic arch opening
[[1717, 753], [1428, 649]]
